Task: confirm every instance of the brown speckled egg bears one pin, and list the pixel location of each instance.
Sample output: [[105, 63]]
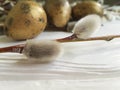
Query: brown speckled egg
[[84, 8], [58, 11], [26, 20]]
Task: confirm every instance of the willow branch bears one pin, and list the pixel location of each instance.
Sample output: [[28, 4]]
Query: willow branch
[[106, 38]]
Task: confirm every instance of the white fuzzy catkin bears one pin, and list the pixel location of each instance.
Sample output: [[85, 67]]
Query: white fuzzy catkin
[[42, 51], [87, 25]]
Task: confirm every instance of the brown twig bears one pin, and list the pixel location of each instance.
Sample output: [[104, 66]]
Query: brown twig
[[72, 38], [16, 48]]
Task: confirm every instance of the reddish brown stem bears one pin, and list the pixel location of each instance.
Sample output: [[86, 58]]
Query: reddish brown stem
[[67, 39], [16, 48], [72, 38]]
